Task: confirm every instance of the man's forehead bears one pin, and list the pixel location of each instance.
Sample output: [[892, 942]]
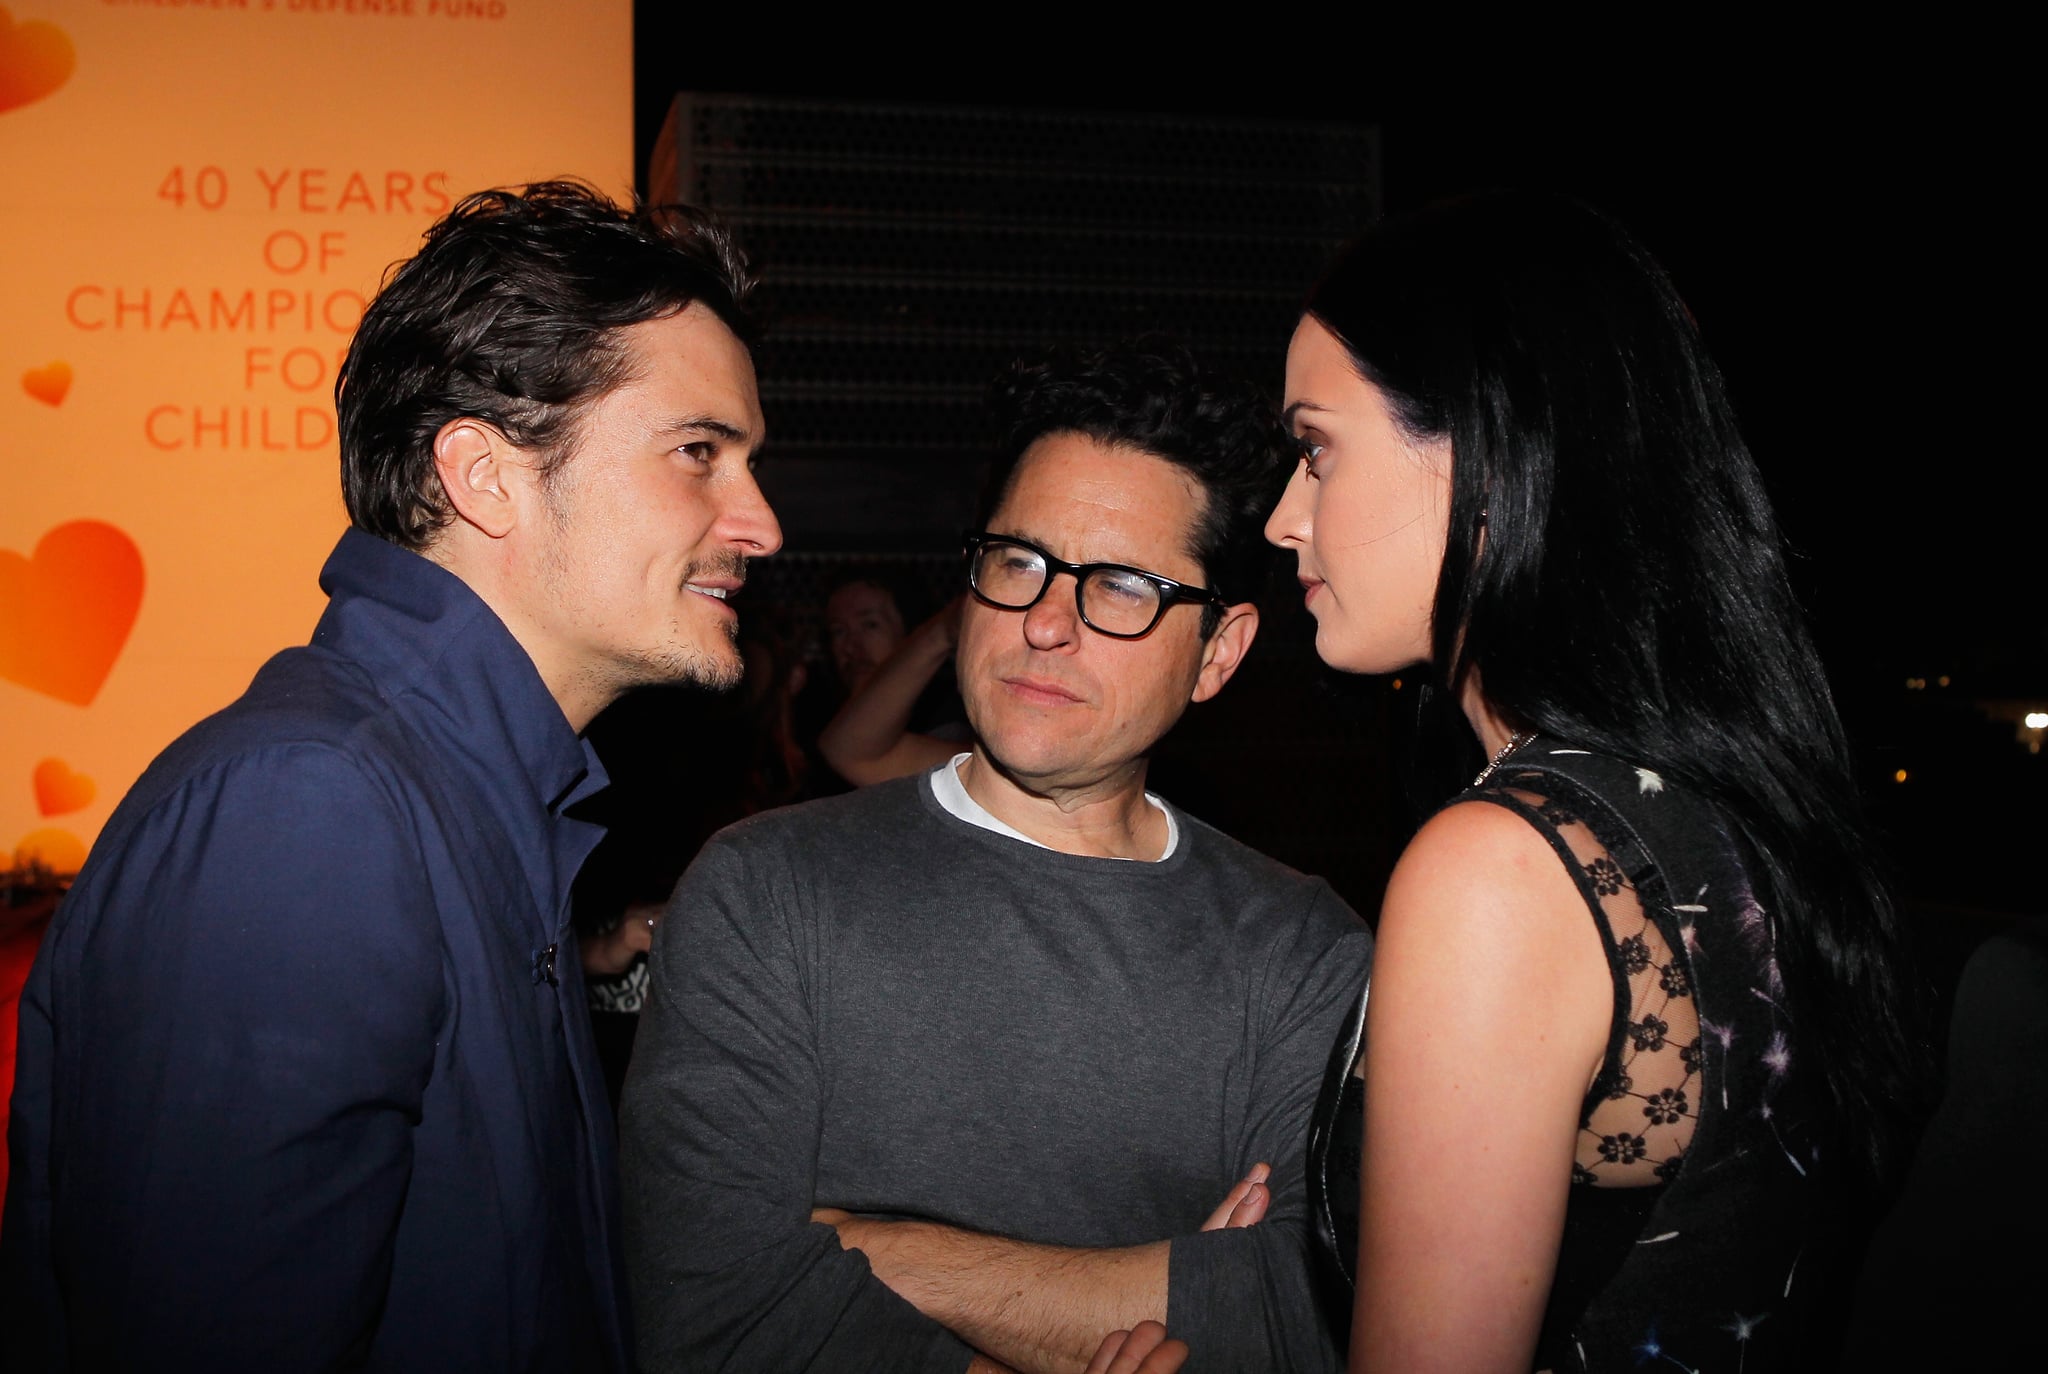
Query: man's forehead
[[697, 374], [859, 598], [1087, 501]]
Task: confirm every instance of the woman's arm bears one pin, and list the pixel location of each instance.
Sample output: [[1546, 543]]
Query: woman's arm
[[870, 739], [1491, 1003]]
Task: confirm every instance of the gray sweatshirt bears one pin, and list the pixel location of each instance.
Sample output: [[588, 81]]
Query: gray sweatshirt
[[868, 1003]]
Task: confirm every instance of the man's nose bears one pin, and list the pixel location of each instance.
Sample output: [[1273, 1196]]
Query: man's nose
[[1053, 621], [750, 522]]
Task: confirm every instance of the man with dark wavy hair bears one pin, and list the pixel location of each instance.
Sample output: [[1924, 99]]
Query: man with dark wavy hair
[[306, 1078], [948, 1073]]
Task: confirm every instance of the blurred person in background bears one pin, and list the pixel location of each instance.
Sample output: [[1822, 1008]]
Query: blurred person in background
[[684, 763], [898, 710], [889, 726]]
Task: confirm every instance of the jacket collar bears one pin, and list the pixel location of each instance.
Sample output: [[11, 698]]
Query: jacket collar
[[423, 634]]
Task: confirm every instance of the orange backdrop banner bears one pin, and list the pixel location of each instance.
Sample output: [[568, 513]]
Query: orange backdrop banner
[[199, 198]]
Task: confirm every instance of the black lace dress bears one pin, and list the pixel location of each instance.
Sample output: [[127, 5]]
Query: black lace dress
[[1693, 1192]]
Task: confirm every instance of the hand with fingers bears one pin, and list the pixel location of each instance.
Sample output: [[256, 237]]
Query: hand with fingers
[[1144, 1349], [1246, 1203], [612, 953]]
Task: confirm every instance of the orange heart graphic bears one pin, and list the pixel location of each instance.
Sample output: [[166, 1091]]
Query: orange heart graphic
[[58, 789], [65, 613], [60, 850], [49, 384], [36, 57]]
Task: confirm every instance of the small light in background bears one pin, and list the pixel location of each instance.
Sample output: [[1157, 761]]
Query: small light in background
[[1942, 680], [1397, 684], [2028, 719], [1899, 776]]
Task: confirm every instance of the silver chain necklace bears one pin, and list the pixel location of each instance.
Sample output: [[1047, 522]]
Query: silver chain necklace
[[1515, 741]]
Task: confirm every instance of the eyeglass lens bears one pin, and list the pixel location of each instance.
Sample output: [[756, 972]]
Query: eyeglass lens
[[1112, 601]]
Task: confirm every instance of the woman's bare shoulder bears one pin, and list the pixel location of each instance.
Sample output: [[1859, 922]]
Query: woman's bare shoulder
[[1482, 886]]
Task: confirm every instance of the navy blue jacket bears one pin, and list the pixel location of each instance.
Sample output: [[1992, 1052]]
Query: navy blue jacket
[[306, 1077]]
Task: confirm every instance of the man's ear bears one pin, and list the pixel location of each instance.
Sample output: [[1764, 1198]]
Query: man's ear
[[483, 473], [1226, 649]]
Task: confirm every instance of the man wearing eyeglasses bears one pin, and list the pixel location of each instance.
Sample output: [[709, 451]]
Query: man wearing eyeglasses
[[949, 1073]]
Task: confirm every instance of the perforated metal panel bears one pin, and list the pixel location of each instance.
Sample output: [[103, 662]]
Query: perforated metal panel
[[909, 252]]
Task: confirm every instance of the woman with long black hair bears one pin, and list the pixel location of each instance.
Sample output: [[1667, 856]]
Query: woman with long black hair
[[1636, 1041]]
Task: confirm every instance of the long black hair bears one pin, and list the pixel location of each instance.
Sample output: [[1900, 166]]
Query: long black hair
[[1614, 574]]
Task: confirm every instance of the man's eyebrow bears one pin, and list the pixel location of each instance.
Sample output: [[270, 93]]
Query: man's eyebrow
[[1019, 533], [1039, 541], [705, 424]]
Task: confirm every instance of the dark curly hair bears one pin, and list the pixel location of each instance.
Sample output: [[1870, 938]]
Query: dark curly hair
[[1153, 397], [511, 313]]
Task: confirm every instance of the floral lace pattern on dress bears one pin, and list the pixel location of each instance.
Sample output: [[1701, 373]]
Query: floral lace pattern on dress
[[1644, 1104], [1692, 1213]]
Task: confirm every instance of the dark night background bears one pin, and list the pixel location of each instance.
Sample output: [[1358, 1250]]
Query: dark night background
[[1844, 244]]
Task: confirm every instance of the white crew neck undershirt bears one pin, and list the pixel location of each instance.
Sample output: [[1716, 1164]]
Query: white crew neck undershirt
[[951, 793]]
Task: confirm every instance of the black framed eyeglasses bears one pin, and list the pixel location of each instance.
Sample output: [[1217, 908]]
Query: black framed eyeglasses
[[1114, 600]]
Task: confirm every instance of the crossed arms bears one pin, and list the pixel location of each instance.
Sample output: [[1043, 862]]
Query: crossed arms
[[736, 1071], [1030, 1307]]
